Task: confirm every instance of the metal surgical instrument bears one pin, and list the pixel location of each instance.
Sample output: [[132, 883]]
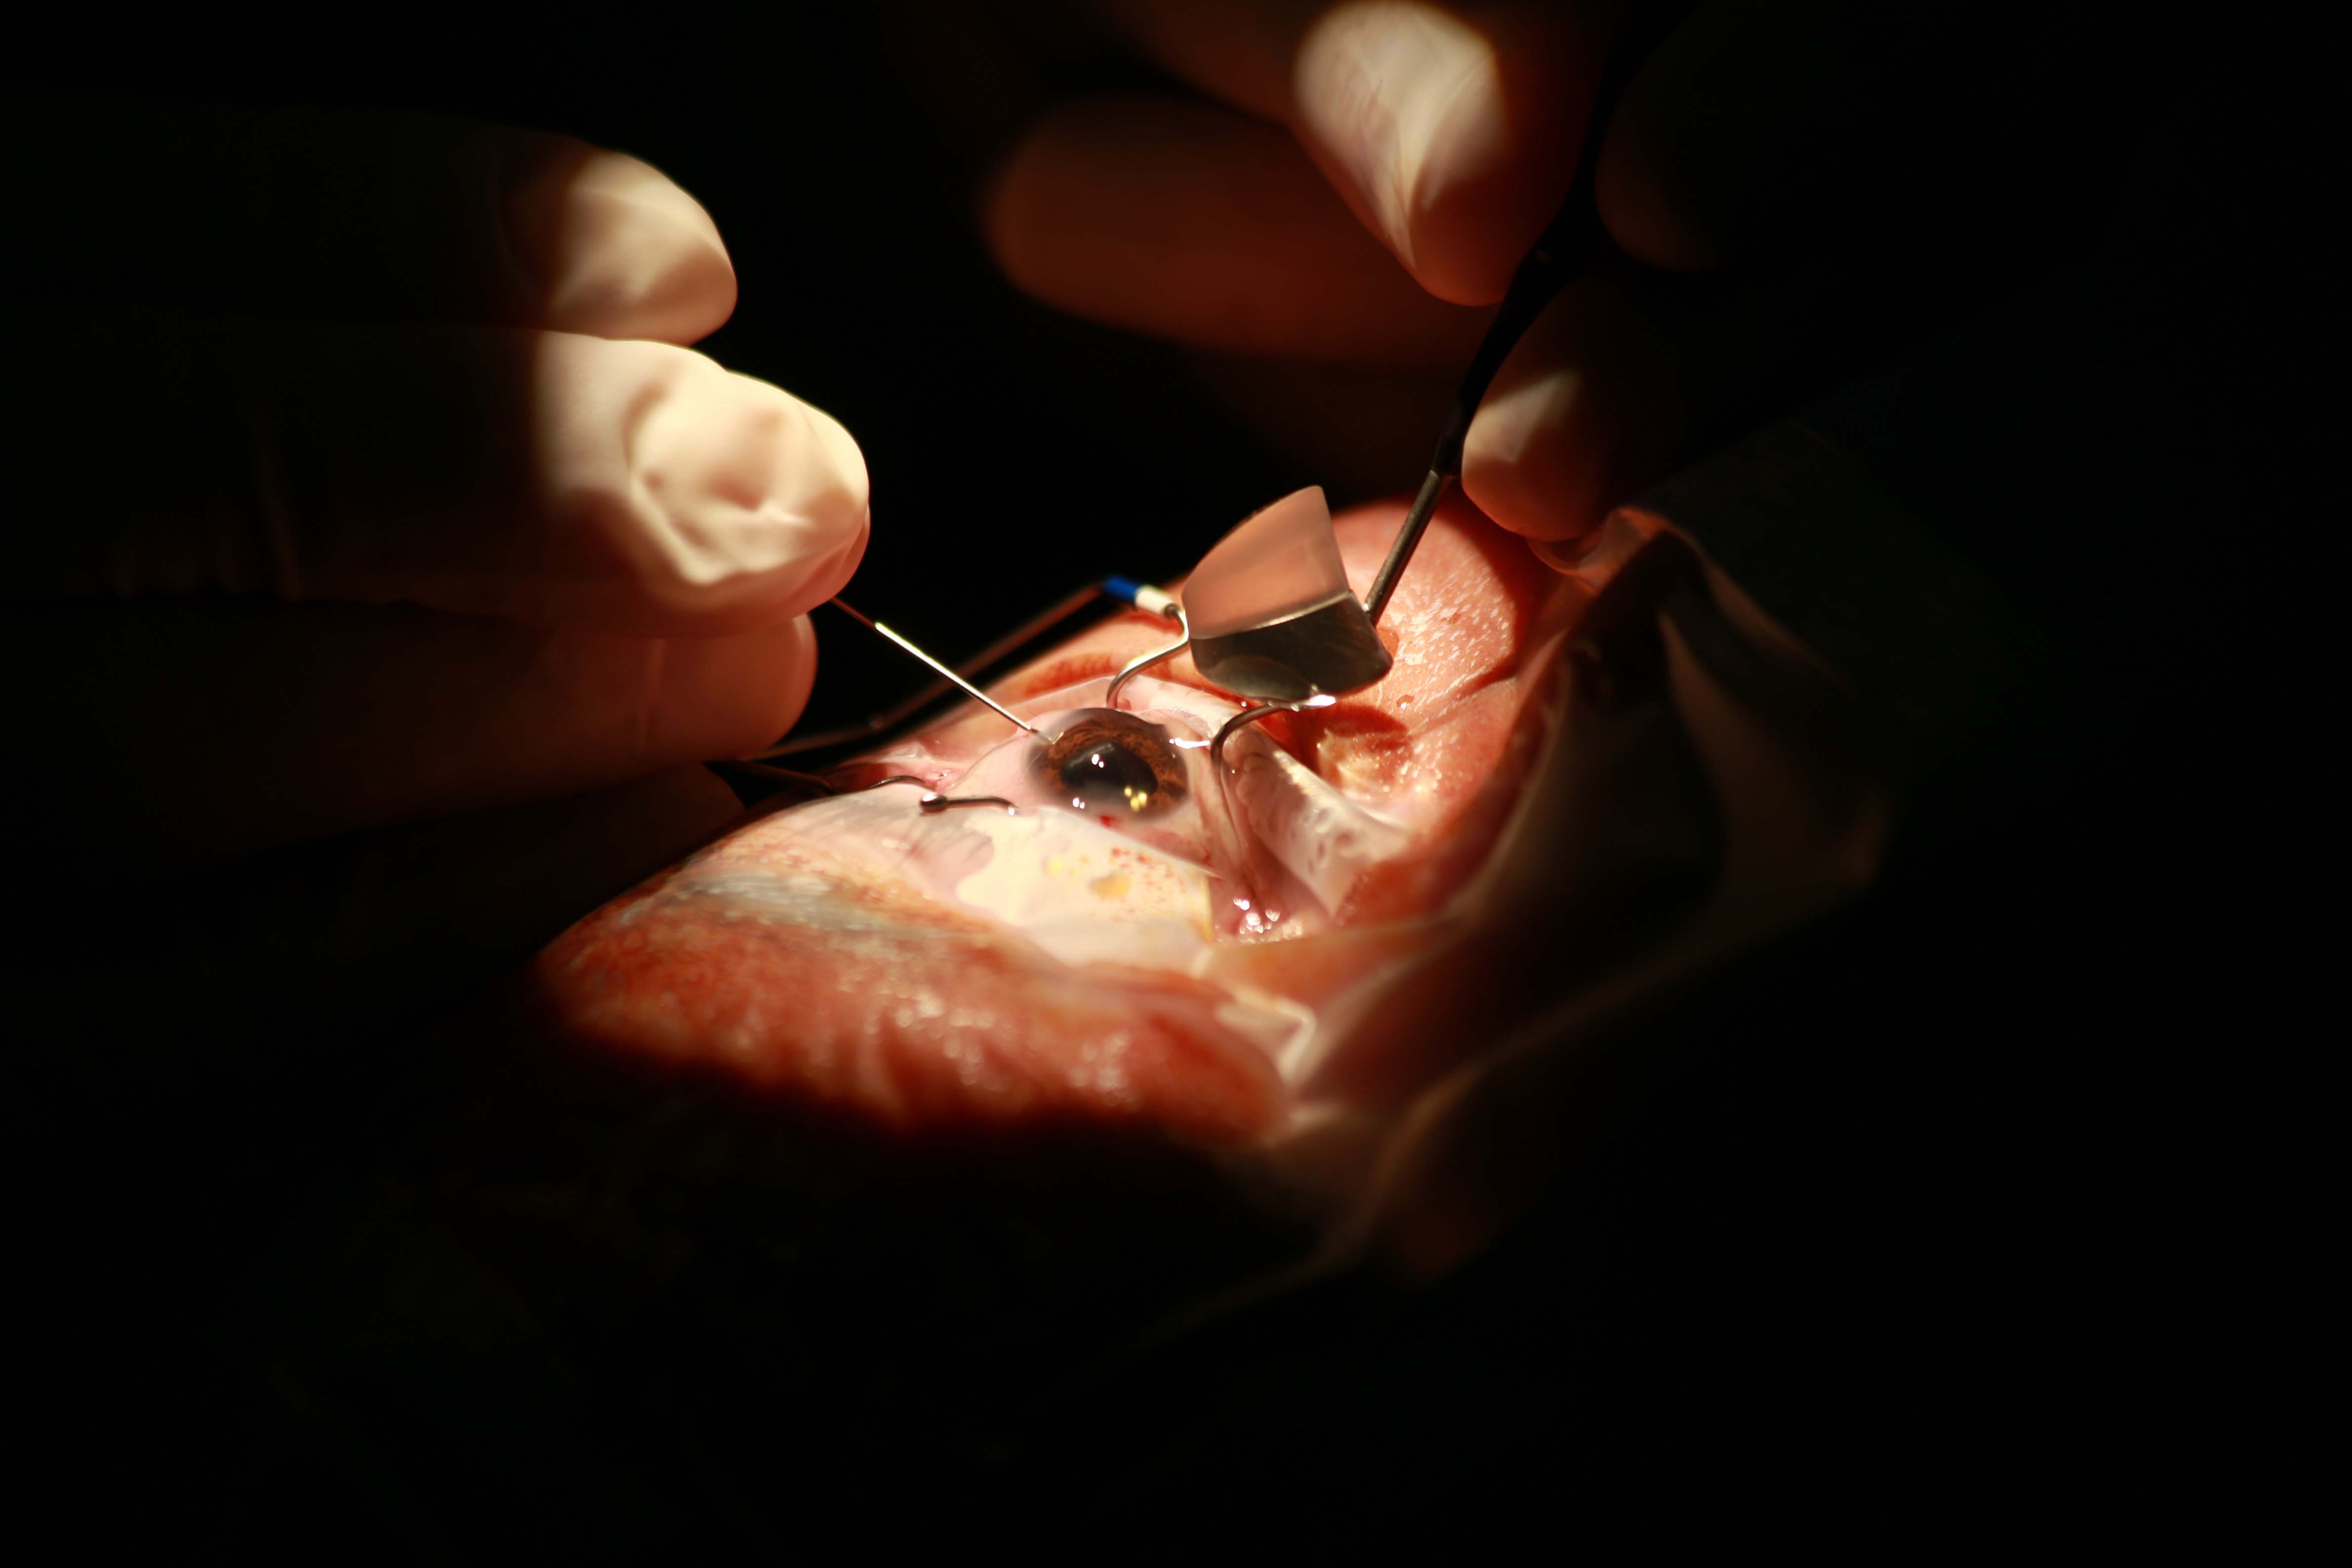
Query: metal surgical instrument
[[1333, 648], [1251, 716], [1120, 590], [966, 686], [1157, 601], [932, 802]]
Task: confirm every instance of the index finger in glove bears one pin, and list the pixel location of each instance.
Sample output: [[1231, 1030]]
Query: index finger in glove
[[356, 215], [540, 477], [188, 730], [1191, 223], [1451, 130]]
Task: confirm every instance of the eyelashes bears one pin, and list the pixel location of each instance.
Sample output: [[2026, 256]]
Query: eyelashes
[[1107, 761]]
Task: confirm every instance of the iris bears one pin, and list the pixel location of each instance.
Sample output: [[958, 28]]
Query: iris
[[1107, 761], [1108, 775]]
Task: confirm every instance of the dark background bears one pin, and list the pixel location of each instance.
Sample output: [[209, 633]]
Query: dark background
[[1887, 1223]]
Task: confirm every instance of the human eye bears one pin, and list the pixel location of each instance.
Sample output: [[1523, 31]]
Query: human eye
[[1104, 761]]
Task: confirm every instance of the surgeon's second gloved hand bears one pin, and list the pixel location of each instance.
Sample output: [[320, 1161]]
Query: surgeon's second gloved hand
[[1787, 184], [357, 481]]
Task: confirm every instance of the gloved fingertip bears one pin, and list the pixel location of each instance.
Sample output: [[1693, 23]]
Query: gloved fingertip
[[1522, 462], [1562, 554], [732, 696], [828, 573], [732, 504], [1002, 202], [791, 675], [1453, 136], [1649, 211], [615, 250], [841, 510]]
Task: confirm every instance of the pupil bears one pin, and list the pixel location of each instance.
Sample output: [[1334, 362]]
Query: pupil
[[1107, 774]]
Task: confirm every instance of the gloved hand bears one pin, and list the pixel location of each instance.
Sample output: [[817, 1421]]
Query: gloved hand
[[1791, 186], [357, 479]]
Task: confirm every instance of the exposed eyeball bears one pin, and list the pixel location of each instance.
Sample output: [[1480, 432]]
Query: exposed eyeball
[[1108, 762]]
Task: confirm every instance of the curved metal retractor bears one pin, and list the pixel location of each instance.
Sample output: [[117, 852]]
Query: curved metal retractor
[[932, 802], [1137, 666], [1251, 716]]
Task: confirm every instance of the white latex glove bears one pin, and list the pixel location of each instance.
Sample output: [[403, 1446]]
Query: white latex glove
[[378, 568], [360, 477], [1795, 190]]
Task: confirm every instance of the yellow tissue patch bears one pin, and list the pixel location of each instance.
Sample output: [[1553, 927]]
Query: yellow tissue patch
[[1082, 891]]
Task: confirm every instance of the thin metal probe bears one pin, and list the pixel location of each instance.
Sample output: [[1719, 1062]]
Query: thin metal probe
[[1567, 247], [966, 686], [892, 717], [935, 803], [1408, 540], [1138, 666]]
